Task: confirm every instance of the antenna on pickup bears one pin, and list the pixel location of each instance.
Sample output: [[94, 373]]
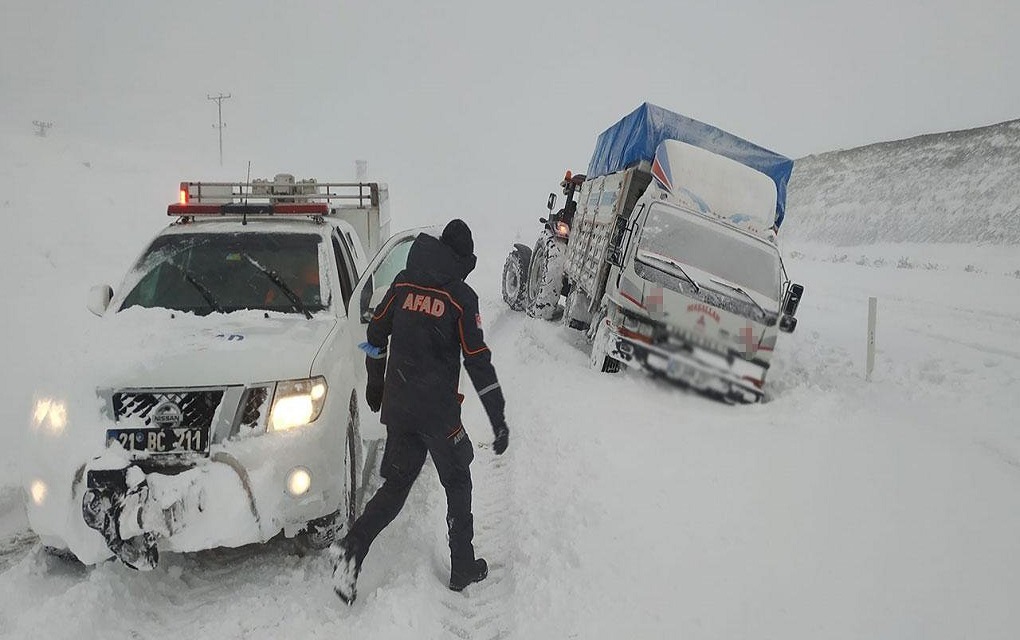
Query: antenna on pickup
[[244, 215]]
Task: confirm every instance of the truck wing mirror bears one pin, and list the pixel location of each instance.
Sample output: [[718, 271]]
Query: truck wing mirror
[[793, 299], [99, 298], [616, 253], [551, 202], [787, 324]]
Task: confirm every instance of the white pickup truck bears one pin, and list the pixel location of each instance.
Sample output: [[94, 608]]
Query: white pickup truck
[[221, 402]]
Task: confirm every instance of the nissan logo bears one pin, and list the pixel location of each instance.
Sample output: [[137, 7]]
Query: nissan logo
[[167, 415]]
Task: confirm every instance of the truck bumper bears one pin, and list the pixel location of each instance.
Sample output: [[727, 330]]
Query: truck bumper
[[692, 366]]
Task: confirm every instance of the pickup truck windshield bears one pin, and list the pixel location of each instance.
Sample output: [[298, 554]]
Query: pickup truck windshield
[[220, 272], [712, 248]]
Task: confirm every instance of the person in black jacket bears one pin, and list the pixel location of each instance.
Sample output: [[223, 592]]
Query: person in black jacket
[[425, 324]]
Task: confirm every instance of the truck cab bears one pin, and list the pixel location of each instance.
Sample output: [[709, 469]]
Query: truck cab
[[695, 282]]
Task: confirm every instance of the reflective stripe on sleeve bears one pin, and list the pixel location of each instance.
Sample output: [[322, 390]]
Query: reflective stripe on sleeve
[[491, 387]]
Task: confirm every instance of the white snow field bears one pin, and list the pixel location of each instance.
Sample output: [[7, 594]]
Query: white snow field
[[840, 508]]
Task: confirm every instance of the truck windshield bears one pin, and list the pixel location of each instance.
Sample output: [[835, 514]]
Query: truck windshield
[[713, 249], [220, 272]]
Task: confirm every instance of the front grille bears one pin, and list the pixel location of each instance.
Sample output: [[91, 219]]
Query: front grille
[[197, 407], [253, 406]]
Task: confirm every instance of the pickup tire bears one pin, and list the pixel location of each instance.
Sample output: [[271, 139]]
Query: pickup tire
[[322, 532], [515, 277], [545, 277]]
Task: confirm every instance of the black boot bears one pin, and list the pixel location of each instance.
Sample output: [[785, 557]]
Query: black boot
[[349, 555], [474, 573]]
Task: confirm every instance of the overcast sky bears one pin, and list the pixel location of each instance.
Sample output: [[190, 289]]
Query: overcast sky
[[485, 104]]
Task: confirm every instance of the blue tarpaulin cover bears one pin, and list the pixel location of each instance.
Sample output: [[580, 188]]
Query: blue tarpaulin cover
[[636, 136]]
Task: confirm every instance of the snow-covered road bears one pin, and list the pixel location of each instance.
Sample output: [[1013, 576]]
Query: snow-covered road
[[839, 509]]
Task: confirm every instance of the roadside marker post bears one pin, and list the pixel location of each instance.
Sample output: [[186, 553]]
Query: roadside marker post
[[872, 317]]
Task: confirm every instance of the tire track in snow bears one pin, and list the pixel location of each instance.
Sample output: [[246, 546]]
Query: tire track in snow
[[16, 539], [15, 547], [482, 610]]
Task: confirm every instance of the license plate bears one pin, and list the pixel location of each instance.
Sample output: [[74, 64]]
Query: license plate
[[692, 375], [178, 440]]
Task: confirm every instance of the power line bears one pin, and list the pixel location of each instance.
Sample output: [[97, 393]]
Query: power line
[[219, 111]]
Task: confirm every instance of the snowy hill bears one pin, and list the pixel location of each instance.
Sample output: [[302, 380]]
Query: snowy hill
[[954, 187]]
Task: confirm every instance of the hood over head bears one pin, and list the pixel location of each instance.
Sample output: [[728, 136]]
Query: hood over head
[[432, 261]]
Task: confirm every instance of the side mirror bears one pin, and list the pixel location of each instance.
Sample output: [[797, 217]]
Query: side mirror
[[616, 253], [793, 299], [551, 202], [99, 298], [787, 324], [377, 297], [366, 300]]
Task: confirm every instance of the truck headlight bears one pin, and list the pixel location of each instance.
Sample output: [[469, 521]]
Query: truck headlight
[[297, 403]]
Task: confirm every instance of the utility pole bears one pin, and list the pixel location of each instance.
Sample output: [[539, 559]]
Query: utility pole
[[219, 110], [41, 127]]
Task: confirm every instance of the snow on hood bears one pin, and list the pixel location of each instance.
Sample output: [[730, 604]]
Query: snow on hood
[[152, 348]]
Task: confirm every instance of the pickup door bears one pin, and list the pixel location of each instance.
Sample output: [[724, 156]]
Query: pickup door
[[374, 284]]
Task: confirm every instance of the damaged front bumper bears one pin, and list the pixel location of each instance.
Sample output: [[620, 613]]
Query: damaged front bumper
[[198, 508]]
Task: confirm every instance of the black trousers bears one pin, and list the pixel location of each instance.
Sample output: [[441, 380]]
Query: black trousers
[[402, 461]]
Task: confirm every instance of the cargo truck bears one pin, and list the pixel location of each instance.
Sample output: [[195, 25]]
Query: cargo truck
[[666, 255]]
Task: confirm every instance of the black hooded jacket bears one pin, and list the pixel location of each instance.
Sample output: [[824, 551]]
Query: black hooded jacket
[[430, 319]]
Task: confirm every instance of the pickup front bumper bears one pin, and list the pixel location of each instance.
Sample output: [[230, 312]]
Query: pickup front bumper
[[203, 507], [732, 378]]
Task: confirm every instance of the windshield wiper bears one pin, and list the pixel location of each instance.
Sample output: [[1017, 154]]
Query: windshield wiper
[[201, 288], [673, 263], [275, 278], [747, 295]]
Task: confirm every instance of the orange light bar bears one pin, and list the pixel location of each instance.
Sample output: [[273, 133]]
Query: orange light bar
[[299, 209], [184, 193], [306, 208]]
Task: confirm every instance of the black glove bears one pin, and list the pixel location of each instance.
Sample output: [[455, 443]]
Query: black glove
[[501, 440], [373, 395], [375, 364]]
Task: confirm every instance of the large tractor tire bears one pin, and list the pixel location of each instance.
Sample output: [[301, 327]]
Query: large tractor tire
[[515, 277], [545, 277]]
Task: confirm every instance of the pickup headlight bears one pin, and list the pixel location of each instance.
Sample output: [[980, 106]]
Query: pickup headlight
[[297, 403], [50, 415]]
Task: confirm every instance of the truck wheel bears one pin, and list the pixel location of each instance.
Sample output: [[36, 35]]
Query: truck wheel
[[600, 359], [515, 277], [545, 277]]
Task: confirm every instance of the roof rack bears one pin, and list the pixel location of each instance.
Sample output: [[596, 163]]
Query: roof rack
[[281, 195]]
